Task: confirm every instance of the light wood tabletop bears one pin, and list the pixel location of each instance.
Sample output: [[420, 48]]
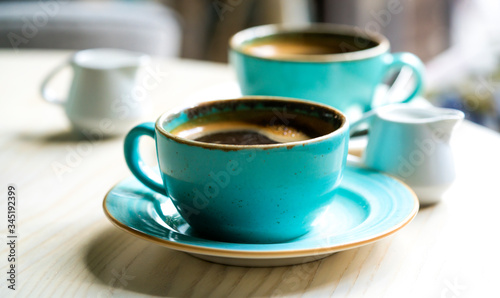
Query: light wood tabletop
[[66, 247]]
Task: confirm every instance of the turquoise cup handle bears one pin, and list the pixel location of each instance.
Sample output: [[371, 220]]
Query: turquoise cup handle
[[399, 60], [134, 161]]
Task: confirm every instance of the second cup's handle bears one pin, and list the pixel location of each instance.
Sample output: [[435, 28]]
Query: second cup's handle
[[46, 92], [133, 158], [399, 60]]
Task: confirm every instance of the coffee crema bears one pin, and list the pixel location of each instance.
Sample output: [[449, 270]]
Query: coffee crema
[[306, 43], [252, 127]]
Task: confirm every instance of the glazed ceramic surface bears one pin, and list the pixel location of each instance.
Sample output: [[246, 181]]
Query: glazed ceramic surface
[[367, 207], [346, 81], [413, 144], [245, 193], [106, 94]]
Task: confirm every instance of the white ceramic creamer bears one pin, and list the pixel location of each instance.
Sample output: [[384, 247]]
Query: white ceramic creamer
[[103, 95], [412, 144]]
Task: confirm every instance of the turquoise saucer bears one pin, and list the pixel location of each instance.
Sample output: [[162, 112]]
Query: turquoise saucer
[[368, 207]]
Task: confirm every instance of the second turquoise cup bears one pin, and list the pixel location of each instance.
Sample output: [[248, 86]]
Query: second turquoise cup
[[346, 78]]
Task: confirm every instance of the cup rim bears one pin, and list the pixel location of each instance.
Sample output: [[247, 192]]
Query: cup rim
[[432, 113], [80, 58], [227, 147], [251, 33]]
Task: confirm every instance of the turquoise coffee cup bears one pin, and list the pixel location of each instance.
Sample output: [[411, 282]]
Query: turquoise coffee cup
[[345, 75], [245, 193]]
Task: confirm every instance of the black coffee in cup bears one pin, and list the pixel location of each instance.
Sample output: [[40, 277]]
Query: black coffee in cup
[[260, 126], [306, 43]]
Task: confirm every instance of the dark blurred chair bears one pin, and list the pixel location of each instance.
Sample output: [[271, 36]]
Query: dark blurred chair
[[147, 27]]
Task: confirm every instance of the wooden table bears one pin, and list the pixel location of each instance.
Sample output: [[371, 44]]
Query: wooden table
[[66, 246]]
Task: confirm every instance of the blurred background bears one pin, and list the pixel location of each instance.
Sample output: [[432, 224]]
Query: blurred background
[[459, 40]]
